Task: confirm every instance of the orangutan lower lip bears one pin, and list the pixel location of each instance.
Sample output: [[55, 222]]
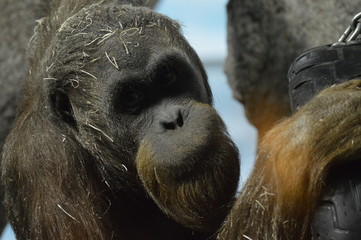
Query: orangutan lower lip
[[187, 170]]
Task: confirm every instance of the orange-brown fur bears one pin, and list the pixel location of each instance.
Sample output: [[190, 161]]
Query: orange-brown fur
[[293, 160]]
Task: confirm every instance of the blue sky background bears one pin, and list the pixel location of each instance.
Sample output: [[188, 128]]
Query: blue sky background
[[204, 25], [203, 22]]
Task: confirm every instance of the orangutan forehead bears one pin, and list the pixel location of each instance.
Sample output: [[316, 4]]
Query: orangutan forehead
[[98, 19], [99, 31]]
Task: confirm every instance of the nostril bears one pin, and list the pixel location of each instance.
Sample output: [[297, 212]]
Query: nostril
[[180, 119], [172, 120], [169, 125]]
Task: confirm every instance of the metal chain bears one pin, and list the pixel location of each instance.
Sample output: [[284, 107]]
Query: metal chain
[[353, 31]]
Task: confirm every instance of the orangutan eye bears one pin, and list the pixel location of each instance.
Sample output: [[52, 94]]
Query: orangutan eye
[[131, 98], [167, 76]]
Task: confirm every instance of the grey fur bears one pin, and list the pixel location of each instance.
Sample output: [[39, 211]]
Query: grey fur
[[265, 36], [17, 20]]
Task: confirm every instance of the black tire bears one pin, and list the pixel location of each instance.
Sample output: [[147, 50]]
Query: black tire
[[322, 67], [338, 216]]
